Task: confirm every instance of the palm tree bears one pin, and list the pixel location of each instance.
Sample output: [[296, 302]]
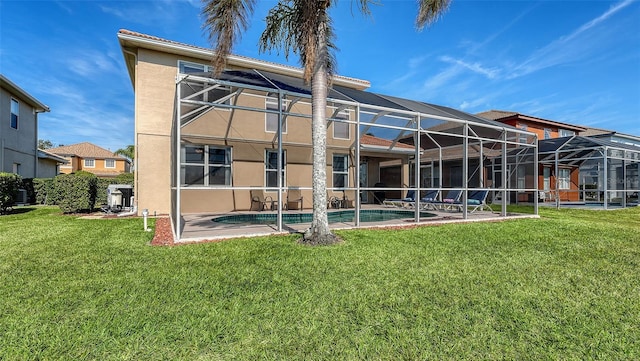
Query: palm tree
[[129, 151], [303, 27]]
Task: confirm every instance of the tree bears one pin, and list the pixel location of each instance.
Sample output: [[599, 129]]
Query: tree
[[129, 151], [302, 27], [44, 144]]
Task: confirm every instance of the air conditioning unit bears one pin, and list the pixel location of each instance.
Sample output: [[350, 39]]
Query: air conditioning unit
[[22, 197]]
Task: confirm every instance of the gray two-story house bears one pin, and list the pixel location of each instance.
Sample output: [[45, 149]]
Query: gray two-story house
[[19, 130]]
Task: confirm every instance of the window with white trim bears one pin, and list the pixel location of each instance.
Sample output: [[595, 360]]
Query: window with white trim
[[564, 178], [271, 119], [89, 163], [214, 92], [205, 165], [271, 168], [522, 138], [566, 133], [109, 163], [547, 133], [522, 173], [340, 170], [15, 113], [341, 129]]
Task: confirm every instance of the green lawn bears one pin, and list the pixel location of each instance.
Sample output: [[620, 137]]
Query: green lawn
[[566, 286]]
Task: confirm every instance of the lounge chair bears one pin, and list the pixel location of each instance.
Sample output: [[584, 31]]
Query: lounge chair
[[258, 197], [402, 203], [451, 197], [476, 200], [429, 196], [294, 198]]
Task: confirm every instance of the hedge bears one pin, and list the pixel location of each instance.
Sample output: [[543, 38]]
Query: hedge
[[77, 191], [9, 185]]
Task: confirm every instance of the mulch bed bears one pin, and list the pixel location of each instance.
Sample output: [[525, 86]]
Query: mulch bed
[[163, 235]]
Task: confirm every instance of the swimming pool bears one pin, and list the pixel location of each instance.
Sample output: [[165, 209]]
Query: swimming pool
[[368, 215]]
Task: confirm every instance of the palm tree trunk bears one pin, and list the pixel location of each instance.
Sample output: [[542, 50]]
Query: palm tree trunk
[[319, 232]]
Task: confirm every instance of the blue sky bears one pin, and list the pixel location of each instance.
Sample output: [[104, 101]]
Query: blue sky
[[571, 61]]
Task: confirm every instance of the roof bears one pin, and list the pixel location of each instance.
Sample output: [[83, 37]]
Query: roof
[[577, 142], [130, 38], [24, 96], [85, 150], [503, 115], [375, 141], [43, 154]]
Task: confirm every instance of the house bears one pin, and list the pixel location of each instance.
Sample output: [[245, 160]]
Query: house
[[91, 158], [580, 164], [544, 128], [19, 130], [612, 136], [49, 164], [204, 142]]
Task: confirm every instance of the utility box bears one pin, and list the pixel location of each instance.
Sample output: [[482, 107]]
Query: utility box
[[119, 196]]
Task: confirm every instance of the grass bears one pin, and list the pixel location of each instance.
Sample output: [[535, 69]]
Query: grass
[[565, 286]]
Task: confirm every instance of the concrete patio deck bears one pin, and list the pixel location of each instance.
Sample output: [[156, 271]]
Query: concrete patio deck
[[200, 227]]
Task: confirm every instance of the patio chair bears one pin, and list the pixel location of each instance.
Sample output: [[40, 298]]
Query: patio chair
[[294, 198], [476, 200], [401, 203], [332, 201], [258, 197], [348, 199], [451, 197]]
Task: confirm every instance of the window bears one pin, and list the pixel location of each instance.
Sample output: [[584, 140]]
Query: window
[[547, 133], [564, 178], [89, 163], [522, 138], [109, 163], [16, 168], [271, 168], [15, 113], [271, 125], [566, 133], [546, 178], [340, 170], [188, 68], [521, 177], [194, 90], [205, 165], [340, 129]]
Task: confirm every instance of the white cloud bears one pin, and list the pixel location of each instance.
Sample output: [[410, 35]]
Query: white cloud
[[474, 67], [576, 45]]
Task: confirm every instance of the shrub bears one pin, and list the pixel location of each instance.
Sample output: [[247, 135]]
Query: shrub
[[9, 185], [77, 191], [124, 178], [45, 193], [27, 184]]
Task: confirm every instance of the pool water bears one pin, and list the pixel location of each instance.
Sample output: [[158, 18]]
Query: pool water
[[369, 215]]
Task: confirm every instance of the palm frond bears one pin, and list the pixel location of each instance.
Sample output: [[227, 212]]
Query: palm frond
[[296, 26], [224, 22], [429, 11]]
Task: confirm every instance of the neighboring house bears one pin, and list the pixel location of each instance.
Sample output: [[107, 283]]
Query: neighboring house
[[49, 164], [544, 128], [205, 141], [612, 136], [580, 164], [19, 129], [91, 158]]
